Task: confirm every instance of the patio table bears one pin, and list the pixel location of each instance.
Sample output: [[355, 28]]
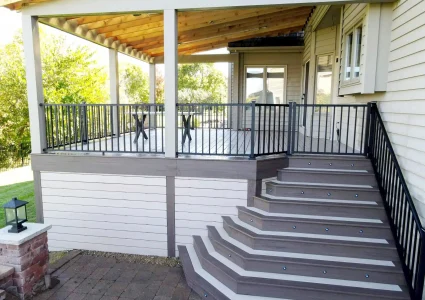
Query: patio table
[[140, 124], [186, 123]]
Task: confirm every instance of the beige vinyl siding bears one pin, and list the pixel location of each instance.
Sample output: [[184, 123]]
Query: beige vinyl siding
[[318, 14], [325, 40], [293, 62], [100, 212], [201, 202], [307, 46], [403, 105]]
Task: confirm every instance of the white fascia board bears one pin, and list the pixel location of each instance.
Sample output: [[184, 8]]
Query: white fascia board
[[93, 7]]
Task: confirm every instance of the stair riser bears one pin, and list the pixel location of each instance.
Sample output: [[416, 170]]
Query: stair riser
[[197, 283], [330, 164], [321, 210], [276, 265], [322, 193], [301, 177], [317, 227], [321, 247]]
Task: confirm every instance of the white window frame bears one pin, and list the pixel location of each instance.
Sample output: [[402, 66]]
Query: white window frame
[[285, 78], [353, 79]]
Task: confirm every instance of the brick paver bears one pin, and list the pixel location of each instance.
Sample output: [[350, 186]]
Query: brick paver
[[100, 278]]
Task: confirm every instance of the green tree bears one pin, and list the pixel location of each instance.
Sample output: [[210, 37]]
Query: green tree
[[136, 84], [70, 75], [201, 83]]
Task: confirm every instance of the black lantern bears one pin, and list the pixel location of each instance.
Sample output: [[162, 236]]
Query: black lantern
[[16, 214]]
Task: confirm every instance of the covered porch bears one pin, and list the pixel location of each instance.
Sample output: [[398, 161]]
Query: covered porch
[[270, 107]]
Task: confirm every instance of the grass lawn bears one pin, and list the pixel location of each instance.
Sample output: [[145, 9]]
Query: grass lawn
[[22, 191]]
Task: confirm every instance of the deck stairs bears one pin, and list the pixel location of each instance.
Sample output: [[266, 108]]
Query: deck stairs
[[317, 231]]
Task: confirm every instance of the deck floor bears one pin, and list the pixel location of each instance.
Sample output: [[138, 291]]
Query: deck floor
[[210, 142]]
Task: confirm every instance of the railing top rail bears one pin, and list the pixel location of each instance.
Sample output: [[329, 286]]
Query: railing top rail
[[100, 104], [277, 105], [212, 104], [332, 105], [400, 174]]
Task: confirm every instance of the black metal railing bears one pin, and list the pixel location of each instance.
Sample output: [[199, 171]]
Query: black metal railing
[[328, 129], [232, 129], [404, 220], [105, 127], [14, 156]]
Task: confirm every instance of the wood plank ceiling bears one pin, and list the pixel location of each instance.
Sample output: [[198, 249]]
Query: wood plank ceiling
[[197, 30]]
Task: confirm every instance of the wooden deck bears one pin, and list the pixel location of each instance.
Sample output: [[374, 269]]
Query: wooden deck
[[210, 142]]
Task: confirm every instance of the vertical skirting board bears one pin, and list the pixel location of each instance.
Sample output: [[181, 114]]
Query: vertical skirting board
[[171, 215]]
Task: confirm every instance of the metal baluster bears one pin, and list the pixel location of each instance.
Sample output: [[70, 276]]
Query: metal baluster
[[311, 127], [348, 129], [340, 129], [318, 131]]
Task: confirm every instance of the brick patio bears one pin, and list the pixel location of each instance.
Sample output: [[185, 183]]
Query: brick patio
[[105, 278]]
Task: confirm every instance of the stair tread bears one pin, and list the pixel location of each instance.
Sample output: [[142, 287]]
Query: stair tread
[[328, 171], [297, 278], [283, 198], [320, 202], [313, 219], [330, 156], [324, 185], [216, 283], [309, 237], [328, 258]]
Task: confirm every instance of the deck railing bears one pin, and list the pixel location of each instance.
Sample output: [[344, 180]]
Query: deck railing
[[404, 219], [232, 129], [103, 128], [329, 129]]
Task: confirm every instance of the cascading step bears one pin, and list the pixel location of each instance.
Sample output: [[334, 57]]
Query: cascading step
[[324, 176], [323, 191], [320, 208], [356, 227], [330, 162], [310, 244], [290, 263], [294, 287]]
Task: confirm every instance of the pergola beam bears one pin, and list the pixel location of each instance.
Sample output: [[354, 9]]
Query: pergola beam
[[72, 27]]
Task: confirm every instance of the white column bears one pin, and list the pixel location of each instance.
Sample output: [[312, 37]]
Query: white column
[[34, 83], [152, 98], [170, 81], [152, 83], [114, 87]]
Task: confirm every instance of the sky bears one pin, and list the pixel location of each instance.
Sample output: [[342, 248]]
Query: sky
[[10, 23]]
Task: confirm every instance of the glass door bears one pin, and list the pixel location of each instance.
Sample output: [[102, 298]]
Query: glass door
[[265, 84]]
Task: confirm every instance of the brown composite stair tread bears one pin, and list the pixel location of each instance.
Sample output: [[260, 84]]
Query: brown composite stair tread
[[287, 263], [322, 191], [353, 162], [316, 225], [320, 208], [288, 286], [309, 245]]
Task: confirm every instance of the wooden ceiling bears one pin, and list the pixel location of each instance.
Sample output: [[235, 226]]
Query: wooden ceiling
[[197, 30]]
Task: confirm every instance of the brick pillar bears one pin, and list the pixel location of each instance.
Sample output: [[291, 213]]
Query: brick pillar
[[27, 252]]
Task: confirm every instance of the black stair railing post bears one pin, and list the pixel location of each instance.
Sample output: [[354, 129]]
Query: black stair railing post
[[290, 133], [370, 128], [419, 285], [252, 155], [84, 136]]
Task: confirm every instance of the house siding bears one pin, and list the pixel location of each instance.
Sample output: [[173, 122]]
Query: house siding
[[402, 107], [116, 213], [201, 202]]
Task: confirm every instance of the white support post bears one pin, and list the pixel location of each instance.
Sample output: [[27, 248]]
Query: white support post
[[114, 86], [34, 83], [152, 88], [170, 81]]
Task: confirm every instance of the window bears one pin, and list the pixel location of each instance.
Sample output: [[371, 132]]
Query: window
[[265, 84], [353, 50], [324, 79]]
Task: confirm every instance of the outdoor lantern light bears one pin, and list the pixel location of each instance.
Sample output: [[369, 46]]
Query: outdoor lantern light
[[16, 214]]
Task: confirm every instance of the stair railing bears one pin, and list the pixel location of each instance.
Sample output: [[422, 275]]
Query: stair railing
[[404, 220]]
